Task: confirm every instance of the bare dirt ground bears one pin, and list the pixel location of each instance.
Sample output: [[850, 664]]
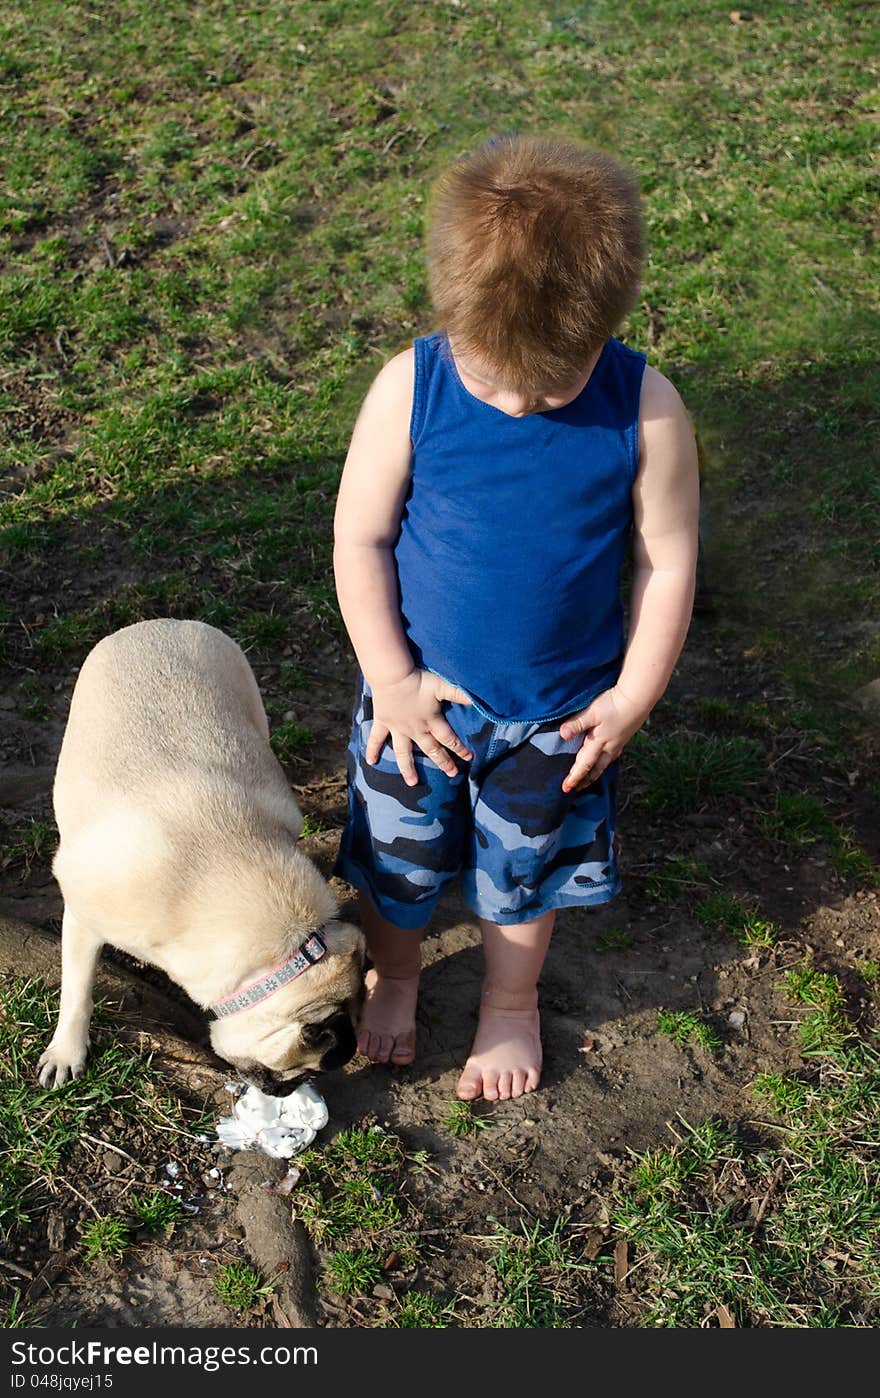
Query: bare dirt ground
[[612, 1084]]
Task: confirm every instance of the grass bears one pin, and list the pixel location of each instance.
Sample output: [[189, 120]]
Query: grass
[[683, 772], [15, 1315], [105, 1237], [30, 844], [722, 716], [462, 1120], [723, 912], [759, 933], [351, 1197], [419, 1310], [117, 1080], [157, 1211], [290, 738], [826, 1032], [678, 877], [111, 1236], [537, 1273], [869, 970], [203, 267], [354, 1272], [239, 1286], [683, 1027], [613, 939], [783, 1232], [799, 821]]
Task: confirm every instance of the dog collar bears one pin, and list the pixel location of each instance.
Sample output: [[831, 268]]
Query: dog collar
[[310, 952]]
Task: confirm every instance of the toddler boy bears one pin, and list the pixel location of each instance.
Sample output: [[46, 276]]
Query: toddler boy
[[498, 473]]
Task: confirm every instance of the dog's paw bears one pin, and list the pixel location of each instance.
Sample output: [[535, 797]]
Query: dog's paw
[[62, 1059]]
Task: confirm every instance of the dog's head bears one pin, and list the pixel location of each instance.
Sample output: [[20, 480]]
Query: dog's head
[[306, 1027]]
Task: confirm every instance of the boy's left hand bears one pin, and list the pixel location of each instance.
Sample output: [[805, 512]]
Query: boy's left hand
[[609, 723]]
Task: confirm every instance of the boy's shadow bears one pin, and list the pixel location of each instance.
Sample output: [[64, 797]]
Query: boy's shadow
[[596, 999]]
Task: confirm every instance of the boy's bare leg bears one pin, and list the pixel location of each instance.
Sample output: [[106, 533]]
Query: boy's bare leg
[[505, 1060], [387, 1032]]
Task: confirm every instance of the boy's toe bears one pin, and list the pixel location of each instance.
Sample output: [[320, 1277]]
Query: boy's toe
[[470, 1084], [490, 1087], [404, 1050], [533, 1078], [517, 1083]]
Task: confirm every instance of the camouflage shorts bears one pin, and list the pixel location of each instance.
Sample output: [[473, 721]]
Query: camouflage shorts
[[519, 843]]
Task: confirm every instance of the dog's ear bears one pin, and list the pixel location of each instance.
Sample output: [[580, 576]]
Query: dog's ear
[[344, 939]]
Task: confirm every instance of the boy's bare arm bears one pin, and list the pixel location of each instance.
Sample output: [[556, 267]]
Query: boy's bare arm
[[666, 505], [665, 540], [374, 483], [375, 479]]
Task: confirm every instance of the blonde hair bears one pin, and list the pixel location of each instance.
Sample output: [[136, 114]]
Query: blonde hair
[[535, 248]]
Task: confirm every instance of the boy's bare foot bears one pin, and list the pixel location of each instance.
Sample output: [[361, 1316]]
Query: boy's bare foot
[[387, 1032], [506, 1057]]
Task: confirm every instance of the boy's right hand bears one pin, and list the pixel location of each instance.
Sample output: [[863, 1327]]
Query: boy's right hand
[[409, 712]]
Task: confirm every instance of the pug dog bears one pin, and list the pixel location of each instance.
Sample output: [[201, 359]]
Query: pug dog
[[178, 845]]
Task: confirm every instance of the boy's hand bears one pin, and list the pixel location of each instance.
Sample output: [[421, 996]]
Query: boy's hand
[[409, 712], [609, 723]]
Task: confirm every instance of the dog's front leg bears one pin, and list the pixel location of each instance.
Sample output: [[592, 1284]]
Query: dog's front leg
[[66, 1054]]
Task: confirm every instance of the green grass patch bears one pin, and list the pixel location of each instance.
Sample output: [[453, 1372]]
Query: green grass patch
[[851, 860], [724, 912], [354, 1272], [157, 1211], [352, 1199], [16, 1315], [684, 772], [419, 1310], [826, 1032], [808, 986], [676, 879], [105, 1237], [869, 970], [721, 716], [175, 595], [116, 1080], [265, 250], [682, 1027], [290, 738], [30, 844], [537, 1273], [613, 939], [660, 1173], [759, 933], [462, 1120], [240, 1287], [799, 821], [782, 1234]]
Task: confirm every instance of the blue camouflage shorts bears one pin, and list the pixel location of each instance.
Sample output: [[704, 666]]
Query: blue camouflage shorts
[[519, 843]]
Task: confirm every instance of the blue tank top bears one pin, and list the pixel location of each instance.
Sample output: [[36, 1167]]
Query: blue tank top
[[513, 535]]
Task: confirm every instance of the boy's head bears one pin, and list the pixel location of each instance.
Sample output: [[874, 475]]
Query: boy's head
[[535, 248]]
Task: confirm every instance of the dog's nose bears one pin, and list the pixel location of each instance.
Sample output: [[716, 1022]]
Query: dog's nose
[[346, 1042]]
